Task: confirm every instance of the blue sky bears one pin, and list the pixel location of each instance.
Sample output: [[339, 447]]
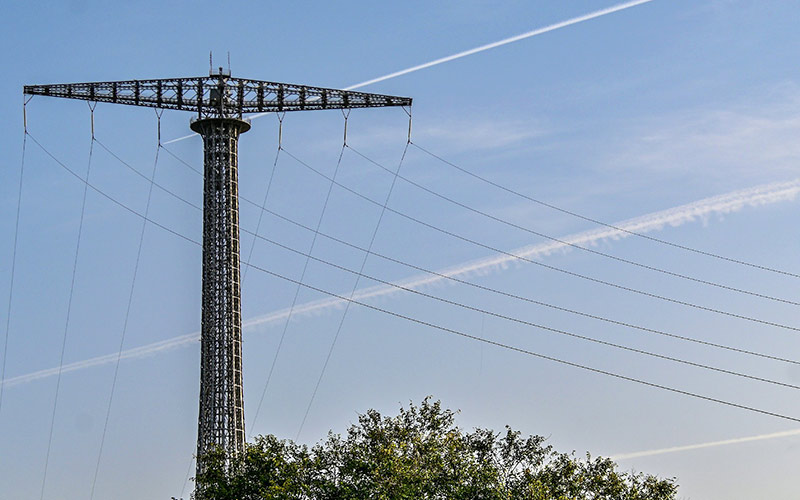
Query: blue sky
[[634, 113]]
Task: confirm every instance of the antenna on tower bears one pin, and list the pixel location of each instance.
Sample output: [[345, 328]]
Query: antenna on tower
[[229, 62], [210, 62]]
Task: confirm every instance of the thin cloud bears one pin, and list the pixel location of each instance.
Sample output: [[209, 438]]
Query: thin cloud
[[723, 141], [480, 134]]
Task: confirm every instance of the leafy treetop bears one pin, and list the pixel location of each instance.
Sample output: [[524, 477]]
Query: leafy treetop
[[420, 454]]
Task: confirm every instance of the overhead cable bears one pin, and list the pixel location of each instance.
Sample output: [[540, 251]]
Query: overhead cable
[[601, 223], [13, 260], [69, 307], [355, 285], [266, 192], [532, 353], [576, 246], [528, 299], [297, 290], [548, 266], [106, 195], [470, 283], [128, 306], [512, 319], [477, 338]]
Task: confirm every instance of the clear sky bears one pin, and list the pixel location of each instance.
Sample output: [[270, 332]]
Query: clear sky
[[634, 113]]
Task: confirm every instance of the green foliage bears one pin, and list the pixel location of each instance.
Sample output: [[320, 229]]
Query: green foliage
[[420, 454]]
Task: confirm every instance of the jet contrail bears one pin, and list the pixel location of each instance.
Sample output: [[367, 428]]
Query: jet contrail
[[482, 48], [699, 446], [505, 41], [753, 197]]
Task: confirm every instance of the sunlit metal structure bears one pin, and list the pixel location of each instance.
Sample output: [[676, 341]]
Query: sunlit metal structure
[[220, 102]]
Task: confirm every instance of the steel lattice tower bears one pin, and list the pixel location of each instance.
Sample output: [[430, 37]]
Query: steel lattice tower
[[221, 421], [220, 103]]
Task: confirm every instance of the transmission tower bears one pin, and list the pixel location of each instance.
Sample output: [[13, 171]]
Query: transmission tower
[[220, 102]]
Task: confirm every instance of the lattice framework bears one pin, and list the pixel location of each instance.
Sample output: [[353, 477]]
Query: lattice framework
[[203, 95]]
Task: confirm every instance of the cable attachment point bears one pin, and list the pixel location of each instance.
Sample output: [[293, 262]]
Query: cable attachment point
[[346, 114], [92, 105], [280, 129], [159, 112], [408, 112], [25, 101]]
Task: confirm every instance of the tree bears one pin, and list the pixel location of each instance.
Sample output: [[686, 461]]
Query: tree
[[420, 454]]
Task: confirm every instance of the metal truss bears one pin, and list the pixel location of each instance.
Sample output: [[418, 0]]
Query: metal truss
[[221, 419], [217, 95]]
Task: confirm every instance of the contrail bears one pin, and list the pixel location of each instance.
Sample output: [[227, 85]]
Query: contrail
[[751, 197], [505, 41], [699, 446], [482, 48]]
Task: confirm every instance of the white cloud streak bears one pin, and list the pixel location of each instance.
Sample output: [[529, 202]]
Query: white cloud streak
[[476, 50], [699, 446], [505, 41], [717, 205]]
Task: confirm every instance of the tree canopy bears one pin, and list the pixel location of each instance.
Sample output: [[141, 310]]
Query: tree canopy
[[420, 454]]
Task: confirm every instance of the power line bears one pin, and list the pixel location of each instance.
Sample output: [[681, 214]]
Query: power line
[[472, 284], [263, 203], [136, 171], [69, 311], [466, 335], [127, 312], [184, 162], [525, 229], [601, 223], [579, 247], [360, 274], [506, 254], [188, 473], [492, 290], [532, 301], [353, 291], [297, 290], [13, 268], [532, 353], [548, 266], [107, 196], [529, 323]]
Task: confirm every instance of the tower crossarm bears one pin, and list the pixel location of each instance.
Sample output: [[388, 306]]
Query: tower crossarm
[[217, 96]]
